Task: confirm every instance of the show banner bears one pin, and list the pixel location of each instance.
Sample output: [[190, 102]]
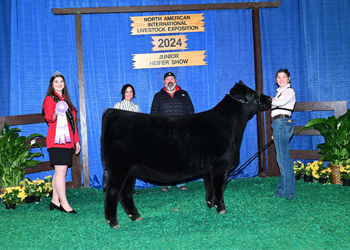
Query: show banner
[[145, 25], [162, 43], [174, 59]]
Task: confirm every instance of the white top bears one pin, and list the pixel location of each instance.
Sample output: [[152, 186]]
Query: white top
[[128, 106], [285, 98]]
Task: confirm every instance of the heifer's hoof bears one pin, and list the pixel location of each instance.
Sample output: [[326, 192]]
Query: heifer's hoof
[[209, 204], [223, 211], [114, 225], [137, 217]]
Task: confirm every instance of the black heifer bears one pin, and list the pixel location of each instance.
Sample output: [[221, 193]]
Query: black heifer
[[170, 148]]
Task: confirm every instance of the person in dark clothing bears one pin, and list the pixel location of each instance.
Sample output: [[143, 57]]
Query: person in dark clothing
[[172, 100]]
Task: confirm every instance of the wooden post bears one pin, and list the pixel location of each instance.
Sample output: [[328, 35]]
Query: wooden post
[[259, 88], [82, 102], [271, 151]]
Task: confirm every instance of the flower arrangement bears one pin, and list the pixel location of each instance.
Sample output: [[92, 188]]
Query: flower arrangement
[[318, 169], [29, 188], [37, 187], [345, 169], [13, 195], [299, 167], [308, 170]]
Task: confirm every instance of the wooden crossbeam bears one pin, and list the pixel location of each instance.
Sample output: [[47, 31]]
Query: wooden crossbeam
[[161, 8]]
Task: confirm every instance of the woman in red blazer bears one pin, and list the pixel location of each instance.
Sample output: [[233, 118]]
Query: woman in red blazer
[[60, 144]]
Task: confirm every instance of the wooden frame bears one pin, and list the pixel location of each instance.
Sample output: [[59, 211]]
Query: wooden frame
[[45, 166], [339, 108], [255, 6]]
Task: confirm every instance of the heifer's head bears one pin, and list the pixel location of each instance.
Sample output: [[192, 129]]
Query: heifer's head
[[244, 94]]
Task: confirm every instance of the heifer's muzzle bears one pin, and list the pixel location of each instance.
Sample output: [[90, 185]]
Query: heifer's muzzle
[[254, 100]]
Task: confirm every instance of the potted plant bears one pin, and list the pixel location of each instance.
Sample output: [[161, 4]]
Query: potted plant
[[29, 189], [308, 172], [16, 155], [320, 172], [38, 189], [345, 172], [336, 134], [298, 169], [13, 196]]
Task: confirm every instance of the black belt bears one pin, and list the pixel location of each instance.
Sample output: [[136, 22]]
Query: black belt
[[279, 116]]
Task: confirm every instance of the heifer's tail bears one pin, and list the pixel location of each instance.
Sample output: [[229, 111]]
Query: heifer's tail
[[103, 128]]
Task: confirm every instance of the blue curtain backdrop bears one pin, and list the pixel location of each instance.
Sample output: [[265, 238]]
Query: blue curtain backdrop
[[308, 37]]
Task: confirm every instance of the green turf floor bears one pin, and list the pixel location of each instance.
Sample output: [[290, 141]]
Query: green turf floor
[[318, 218]]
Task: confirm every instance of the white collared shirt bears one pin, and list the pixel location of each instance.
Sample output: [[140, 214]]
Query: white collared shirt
[[128, 106], [285, 98]]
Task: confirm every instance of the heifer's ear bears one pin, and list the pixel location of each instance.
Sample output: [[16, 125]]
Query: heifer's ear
[[237, 91], [238, 84], [234, 88]]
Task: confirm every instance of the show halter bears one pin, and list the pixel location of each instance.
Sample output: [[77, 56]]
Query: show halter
[[62, 131], [250, 99]]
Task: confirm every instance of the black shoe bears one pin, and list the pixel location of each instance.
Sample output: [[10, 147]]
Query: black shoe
[[70, 212], [54, 206]]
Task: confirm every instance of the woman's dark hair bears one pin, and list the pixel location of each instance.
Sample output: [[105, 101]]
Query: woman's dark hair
[[124, 89], [51, 90], [283, 71]]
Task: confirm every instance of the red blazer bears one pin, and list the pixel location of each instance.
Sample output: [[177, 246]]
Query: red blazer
[[49, 106]]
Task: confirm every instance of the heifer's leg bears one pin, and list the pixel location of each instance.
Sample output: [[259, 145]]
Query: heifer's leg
[[209, 198], [105, 177], [111, 203], [219, 182], [127, 198]]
